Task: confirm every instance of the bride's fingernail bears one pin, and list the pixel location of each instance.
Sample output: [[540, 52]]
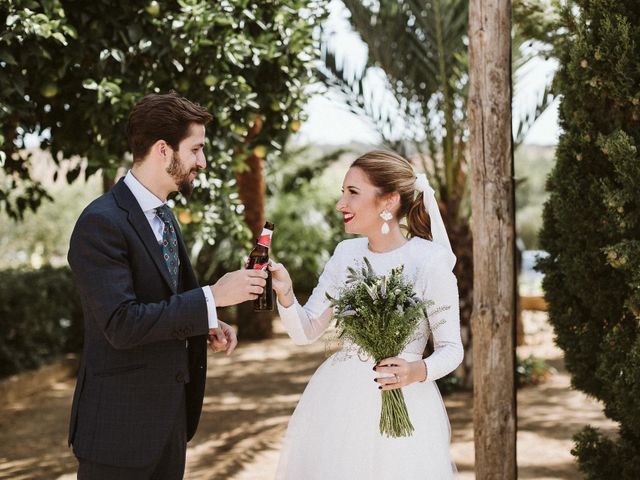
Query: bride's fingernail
[[374, 369], [380, 387]]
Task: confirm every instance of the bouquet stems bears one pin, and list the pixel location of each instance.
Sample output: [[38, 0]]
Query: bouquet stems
[[394, 418]]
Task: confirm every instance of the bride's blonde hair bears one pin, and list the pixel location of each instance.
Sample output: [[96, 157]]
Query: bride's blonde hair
[[389, 172]]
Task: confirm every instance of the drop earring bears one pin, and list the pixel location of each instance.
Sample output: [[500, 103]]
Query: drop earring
[[386, 216]]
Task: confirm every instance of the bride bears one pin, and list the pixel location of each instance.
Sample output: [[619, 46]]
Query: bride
[[333, 433]]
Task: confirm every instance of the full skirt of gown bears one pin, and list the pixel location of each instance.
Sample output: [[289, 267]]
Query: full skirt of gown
[[334, 432]]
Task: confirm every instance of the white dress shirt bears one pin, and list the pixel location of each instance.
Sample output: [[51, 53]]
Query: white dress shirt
[[149, 203]]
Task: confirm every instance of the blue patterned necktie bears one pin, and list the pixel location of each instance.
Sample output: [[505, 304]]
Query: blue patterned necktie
[[169, 243]]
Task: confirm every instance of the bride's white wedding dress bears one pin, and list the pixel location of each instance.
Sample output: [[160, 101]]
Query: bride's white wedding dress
[[333, 433]]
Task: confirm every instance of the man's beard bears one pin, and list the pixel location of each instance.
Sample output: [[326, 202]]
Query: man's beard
[[180, 175]]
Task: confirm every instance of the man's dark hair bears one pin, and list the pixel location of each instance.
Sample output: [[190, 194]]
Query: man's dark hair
[[162, 117]]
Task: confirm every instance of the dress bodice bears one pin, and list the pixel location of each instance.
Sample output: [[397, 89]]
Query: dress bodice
[[426, 265]]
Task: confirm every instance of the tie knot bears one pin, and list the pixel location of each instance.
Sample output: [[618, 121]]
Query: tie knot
[[164, 212]]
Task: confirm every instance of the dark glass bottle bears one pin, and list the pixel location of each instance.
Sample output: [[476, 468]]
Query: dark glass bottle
[[258, 260]]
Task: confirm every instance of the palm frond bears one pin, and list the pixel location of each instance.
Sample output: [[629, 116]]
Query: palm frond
[[421, 48]]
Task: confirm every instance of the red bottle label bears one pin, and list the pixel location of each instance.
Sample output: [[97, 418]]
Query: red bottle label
[[265, 238]]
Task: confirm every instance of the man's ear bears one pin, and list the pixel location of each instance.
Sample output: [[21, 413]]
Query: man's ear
[[161, 149]]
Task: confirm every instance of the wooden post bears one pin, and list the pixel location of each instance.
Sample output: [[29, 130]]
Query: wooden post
[[493, 317]]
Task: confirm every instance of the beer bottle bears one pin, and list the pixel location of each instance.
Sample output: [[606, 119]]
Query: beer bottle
[[258, 260]]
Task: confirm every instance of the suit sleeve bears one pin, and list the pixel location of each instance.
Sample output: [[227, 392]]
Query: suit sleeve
[[98, 256]]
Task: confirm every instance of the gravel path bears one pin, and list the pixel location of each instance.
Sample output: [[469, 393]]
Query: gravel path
[[249, 399]]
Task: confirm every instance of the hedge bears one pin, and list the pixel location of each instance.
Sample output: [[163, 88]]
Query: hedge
[[40, 318]]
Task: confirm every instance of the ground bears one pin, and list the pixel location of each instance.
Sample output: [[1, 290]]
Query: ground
[[251, 395]]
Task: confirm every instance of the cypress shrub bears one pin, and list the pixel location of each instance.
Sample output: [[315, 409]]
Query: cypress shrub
[[591, 226]]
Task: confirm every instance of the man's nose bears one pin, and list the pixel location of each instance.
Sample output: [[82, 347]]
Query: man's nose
[[201, 162]]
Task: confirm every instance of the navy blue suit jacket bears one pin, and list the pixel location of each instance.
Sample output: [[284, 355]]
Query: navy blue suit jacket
[[136, 364]]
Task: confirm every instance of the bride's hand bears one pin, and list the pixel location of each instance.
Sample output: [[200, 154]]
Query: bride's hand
[[399, 373], [281, 282]]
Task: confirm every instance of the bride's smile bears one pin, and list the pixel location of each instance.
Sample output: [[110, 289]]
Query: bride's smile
[[360, 203]]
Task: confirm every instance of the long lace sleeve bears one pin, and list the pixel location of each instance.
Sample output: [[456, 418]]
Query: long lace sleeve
[[306, 324], [444, 318]]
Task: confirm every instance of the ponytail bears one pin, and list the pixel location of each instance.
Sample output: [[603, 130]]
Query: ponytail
[[389, 172], [418, 220]]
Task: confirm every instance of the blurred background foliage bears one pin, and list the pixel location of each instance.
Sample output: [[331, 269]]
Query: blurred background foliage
[[304, 188], [40, 329], [70, 73], [417, 55], [532, 167]]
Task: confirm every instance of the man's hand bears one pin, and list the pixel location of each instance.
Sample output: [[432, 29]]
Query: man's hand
[[223, 338], [239, 286]]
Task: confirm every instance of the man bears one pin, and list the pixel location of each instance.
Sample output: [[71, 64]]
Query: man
[[141, 381]]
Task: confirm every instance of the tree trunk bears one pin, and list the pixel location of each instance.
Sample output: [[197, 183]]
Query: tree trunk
[[491, 153], [252, 191]]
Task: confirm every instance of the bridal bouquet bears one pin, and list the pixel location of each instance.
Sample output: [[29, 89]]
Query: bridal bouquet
[[380, 314]]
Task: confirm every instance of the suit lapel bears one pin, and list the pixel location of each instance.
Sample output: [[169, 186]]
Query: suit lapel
[[140, 224]]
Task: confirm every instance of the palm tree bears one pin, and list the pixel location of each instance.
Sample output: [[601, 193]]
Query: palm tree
[[420, 47]]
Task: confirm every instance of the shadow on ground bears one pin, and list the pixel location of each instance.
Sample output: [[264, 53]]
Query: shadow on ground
[[249, 399]]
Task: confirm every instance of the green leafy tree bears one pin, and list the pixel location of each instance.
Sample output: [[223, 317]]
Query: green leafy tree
[[30, 64], [591, 226], [71, 72], [419, 48]]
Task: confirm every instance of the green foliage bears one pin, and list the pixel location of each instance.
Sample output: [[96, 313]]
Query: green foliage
[[30, 64], [449, 384], [41, 317], [379, 313], [422, 49], [42, 237], [531, 370], [302, 201], [597, 454], [592, 225], [70, 73]]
